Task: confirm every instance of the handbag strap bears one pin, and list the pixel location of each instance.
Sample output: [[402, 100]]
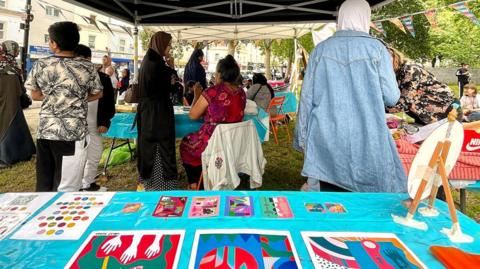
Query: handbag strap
[[255, 95]]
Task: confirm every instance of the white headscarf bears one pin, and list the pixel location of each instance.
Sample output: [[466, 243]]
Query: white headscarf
[[355, 15]]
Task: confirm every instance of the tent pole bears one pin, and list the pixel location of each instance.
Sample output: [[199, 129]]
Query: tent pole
[[135, 47], [26, 33]]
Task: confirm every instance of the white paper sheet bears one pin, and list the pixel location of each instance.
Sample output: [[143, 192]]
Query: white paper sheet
[[15, 208], [67, 218]]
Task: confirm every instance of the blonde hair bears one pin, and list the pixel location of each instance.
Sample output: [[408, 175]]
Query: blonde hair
[[398, 59], [470, 86]]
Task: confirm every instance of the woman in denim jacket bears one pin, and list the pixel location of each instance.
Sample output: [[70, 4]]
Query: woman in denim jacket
[[341, 120]]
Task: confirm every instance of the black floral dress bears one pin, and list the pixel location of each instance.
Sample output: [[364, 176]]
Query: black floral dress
[[422, 97]]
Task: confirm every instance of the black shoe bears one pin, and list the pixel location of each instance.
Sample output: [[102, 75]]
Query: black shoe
[[93, 187]]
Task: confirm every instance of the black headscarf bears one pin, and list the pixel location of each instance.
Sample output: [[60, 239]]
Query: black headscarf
[[194, 70], [262, 80]]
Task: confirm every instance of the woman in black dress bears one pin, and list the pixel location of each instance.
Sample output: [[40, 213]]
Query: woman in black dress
[[155, 119]]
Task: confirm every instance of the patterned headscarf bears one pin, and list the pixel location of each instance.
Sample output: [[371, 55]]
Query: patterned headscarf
[[8, 64]]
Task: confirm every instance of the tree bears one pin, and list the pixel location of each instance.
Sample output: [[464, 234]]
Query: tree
[[266, 48], [457, 39], [178, 48]]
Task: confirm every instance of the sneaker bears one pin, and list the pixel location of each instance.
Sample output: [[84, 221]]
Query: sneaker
[[93, 187]]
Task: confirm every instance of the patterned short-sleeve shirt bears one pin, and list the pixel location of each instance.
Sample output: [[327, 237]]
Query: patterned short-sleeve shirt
[[65, 84]]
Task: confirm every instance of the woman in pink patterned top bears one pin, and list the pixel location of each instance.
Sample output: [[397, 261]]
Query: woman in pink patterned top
[[222, 103]]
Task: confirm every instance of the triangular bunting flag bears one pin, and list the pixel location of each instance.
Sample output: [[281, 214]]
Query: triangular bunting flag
[[398, 23], [94, 22], [408, 23], [107, 26], [432, 17], [127, 30], [463, 9], [377, 26]]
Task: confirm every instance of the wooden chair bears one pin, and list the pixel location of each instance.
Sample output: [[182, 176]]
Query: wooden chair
[[276, 105]]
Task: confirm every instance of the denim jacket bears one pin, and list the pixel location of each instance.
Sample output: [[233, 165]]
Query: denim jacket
[[341, 125]]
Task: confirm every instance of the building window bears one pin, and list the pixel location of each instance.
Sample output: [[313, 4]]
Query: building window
[[91, 41], [46, 38], [122, 45], [2, 30], [52, 11], [3, 3]]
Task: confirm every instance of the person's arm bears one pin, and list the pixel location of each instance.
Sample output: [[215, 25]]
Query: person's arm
[[306, 103], [32, 84], [94, 86], [36, 95], [388, 79], [200, 103]]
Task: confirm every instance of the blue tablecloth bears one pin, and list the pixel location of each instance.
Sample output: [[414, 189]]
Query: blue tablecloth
[[121, 126], [366, 213], [290, 105]]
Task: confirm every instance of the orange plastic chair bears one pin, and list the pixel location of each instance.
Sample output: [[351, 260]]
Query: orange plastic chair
[[276, 104]]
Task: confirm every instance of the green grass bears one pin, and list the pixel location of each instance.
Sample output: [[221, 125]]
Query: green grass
[[282, 172]]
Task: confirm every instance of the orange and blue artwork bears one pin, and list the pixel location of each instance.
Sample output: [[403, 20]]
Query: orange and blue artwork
[[243, 249], [359, 250]]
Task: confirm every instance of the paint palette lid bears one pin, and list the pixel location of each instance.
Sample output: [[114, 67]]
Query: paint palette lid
[[420, 163]]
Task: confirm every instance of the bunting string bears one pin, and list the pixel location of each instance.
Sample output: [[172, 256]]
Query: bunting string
[[405, 22]]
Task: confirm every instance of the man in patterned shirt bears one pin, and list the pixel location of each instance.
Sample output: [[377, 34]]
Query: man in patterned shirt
[[65, 85]]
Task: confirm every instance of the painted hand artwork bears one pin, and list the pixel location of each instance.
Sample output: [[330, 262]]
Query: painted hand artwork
[[129, 249], [275, 207], [239, 206], [359, 250], [170, 206], [249, 249], [202, 207]]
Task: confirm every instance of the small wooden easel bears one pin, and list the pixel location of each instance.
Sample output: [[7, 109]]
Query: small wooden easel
[[436, 168]]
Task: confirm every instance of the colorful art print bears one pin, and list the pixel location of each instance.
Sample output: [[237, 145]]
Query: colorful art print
[[132, 207], [10, 221], [359, 250], [315, 207], [67, 218], [129, 249], [335, 208], [170, 206], [202, 207], [239, 206], [243, 249], [275, 207], [23, 202]]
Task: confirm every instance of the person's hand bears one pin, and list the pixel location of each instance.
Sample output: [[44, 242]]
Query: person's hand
[[197, 89], [173, 80], [170, 61], [112, 245], [102, 129]]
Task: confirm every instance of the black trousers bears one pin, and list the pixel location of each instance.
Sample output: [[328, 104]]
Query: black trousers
[[461, 86], [327, 187], [193, 174], [49, 162]]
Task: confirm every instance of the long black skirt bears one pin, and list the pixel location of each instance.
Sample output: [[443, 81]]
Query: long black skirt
[[17, 144]]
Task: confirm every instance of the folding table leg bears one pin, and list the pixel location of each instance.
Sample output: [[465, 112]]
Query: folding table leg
[[463, 201], [108, 156]]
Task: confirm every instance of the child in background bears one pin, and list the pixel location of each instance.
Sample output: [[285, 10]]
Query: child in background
[[100, 112], [65, 85], [470, 102]]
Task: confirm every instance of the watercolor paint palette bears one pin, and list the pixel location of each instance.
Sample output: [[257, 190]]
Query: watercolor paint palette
[[65, 219]]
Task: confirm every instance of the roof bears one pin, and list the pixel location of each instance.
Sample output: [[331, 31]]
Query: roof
[[208, 12]]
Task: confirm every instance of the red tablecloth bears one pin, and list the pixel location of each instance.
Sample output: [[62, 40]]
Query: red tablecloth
[[467, 167]]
